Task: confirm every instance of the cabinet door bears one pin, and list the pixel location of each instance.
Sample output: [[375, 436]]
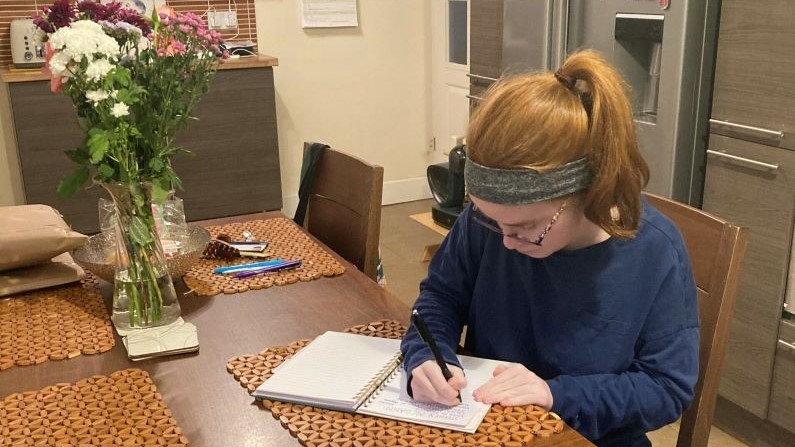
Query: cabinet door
[[782, 400], [754, 70], [233, 169], [749, 194], [485, 35], [45, 125], [234, 166]]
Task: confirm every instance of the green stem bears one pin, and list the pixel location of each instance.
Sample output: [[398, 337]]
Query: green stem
[[145, 300]]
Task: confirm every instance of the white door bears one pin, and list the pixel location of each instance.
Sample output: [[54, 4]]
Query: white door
[[449, 82]]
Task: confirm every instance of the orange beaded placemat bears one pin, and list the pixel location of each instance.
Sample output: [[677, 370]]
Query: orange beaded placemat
[[121, 409], [314, 427], [285, 241], [54, 324]]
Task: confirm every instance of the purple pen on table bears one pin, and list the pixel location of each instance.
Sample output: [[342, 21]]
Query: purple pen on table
[[271, 268]]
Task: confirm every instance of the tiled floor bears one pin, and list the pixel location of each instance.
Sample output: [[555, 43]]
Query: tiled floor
[[402, 244]]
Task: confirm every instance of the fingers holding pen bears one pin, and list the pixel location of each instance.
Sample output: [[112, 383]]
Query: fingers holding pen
[[429, 385]]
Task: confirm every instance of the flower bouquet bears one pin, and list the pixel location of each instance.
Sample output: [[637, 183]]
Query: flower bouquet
[[134, 81]]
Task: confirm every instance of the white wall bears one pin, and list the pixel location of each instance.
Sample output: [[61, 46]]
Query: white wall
[[362, 90], [10, 182]]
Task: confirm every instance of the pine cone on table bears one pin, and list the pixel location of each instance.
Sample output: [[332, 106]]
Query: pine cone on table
[[218, 249]]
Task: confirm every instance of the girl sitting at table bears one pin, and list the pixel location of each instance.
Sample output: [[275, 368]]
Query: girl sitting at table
[[559, 267]]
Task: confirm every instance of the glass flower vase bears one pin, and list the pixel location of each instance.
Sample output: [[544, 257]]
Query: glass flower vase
[[143, 291]]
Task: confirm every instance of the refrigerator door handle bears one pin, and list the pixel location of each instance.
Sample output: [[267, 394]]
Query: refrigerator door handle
[[785, 345], [482, 78], [768, 133], [559, 32], [760, 165]]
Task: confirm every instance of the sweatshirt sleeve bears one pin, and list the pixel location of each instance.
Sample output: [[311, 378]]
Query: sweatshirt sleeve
[[658, 385], [445, 295]]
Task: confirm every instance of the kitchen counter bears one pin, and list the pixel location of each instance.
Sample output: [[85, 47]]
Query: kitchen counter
[[10, 74]]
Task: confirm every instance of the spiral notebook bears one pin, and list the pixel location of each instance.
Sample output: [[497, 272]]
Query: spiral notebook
[[361, 374]]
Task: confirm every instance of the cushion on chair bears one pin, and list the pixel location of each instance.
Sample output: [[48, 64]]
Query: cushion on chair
[[32, 234]]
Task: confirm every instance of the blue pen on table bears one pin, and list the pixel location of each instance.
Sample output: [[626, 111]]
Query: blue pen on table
[[273, 268], [242, 267], [425, 334]]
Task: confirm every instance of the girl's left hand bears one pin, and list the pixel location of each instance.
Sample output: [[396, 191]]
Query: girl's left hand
[[514, 385]]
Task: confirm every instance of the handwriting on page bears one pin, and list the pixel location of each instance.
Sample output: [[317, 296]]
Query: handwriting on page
[[393, 401], [395, 406]]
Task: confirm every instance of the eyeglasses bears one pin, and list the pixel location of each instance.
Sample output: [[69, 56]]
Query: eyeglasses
[[490, 224]]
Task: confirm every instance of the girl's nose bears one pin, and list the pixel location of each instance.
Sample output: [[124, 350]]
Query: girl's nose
[[510, 243]]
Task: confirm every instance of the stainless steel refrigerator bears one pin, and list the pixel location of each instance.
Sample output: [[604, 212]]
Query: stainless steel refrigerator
[[665, 50]]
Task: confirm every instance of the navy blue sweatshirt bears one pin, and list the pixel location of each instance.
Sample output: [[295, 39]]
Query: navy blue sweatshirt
[[613, 328]]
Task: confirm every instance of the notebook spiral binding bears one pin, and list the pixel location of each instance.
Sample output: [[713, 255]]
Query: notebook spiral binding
[[377, 382]]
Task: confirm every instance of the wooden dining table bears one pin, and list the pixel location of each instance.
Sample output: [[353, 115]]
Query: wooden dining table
[[211, 408]]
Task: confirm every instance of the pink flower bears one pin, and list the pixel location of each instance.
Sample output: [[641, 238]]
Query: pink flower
[[176, 47], [166, 11], [56, 82]]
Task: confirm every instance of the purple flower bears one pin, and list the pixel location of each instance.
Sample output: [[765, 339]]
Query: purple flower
[[132, 17], [59, 15], [93, 10], [43, 24]]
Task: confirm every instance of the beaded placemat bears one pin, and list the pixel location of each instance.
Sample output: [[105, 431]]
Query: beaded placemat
[[314, 427], [54, 324], [284, 240], [123, 408]]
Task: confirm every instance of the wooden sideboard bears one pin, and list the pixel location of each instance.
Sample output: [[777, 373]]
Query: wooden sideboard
[[233, 169]]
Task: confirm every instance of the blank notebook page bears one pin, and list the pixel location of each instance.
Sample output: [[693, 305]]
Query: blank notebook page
[[333, 369]]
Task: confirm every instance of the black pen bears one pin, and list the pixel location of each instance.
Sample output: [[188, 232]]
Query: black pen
[[425, 334]]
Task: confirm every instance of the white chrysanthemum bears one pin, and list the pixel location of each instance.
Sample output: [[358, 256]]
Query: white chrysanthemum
[[96, 96], [98, 69], [119, 110], [88, 25], [84, 39], [59, 63]]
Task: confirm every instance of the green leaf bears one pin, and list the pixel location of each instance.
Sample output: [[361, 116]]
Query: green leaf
[[78, 155], [85, 123], [105, 171], [156, 165], [138, 197], [69, 185], [97, 143], [139, 231], [123, 95], [160, 191]]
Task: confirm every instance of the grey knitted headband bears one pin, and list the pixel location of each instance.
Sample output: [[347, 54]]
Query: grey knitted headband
[[524, 186]]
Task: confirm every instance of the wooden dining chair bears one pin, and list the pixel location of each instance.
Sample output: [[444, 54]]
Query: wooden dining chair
[[716, 250], [344, 207]]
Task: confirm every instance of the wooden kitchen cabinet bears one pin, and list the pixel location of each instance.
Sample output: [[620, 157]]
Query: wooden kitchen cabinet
[[763, 199], [233, 169], [754, 70], [782, 397]]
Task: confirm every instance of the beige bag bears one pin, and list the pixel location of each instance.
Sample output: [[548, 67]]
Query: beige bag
[[32, 234]]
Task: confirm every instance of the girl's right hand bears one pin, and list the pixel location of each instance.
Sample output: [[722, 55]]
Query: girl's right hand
[[428, 384]]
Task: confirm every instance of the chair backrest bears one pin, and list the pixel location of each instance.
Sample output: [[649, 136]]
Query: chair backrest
[[716, 250], [344, 208]]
